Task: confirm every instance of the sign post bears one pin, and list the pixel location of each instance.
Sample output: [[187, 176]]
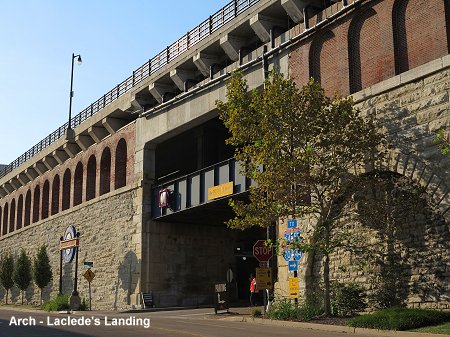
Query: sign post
[[89, 276], [263, 254]]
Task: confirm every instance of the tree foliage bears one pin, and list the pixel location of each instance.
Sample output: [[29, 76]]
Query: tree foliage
[[22, 272], [299, 147], [42, 271], [6, 272]]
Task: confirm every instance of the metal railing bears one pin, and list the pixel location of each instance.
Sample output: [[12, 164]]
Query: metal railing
[[191, 38]]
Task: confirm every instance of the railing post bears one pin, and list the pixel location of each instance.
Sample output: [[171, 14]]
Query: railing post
[[210, 25], [118, 85], [235, 7], [118, 88], [188, 38]]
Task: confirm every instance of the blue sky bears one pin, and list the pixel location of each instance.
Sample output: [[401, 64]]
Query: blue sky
[[114, 37]]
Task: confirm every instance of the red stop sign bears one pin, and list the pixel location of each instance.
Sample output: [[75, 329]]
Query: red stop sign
[[261, 251]]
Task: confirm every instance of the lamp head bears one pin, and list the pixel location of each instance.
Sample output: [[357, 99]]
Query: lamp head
[[79, 61]]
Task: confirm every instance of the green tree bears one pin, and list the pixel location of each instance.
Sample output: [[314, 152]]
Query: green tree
[[6, 272], [299, 146], [42, 271], [22, 272]]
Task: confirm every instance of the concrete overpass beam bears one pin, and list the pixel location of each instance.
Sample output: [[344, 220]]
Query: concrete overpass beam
[[23, 178], [231, 44], [294, 8], [84, 141], [31, 173], [60, 156], [158, 90], [15, 183], [40, 167], [3, 193], [180, 77], [72, 149], [8, 188], [204, 62], [97, 133], [262, 25], [112, 125], [50, 162]]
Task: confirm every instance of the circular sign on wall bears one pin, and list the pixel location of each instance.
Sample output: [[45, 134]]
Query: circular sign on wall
[[69, 234]]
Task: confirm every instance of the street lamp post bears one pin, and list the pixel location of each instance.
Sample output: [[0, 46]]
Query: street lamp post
[[78, 57]]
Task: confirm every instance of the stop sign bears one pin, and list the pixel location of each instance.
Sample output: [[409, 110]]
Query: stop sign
[[261, 251]]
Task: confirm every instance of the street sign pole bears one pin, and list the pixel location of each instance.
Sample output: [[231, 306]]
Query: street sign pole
[[60, 267], [90, 297]]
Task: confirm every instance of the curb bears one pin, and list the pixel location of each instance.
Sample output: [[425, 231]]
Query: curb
[[330, 328]]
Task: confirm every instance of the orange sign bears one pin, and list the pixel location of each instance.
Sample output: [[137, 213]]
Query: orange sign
[[220, 190], [69, 243]]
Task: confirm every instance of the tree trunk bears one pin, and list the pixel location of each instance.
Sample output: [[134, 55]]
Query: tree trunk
[[7, 291], [22, 297], [41, 298], [326, 284]]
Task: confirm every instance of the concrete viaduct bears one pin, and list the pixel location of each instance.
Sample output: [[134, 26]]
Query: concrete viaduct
[[158, 130]]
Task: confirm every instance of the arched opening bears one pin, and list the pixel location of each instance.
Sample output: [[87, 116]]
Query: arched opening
[[45, 199], [66, 190], [78, 185], [27, 209], [12, 216], [400, 42], [121, 164], [36, 202], [55, 195], [105, 171], [365, 49], [91, 178], [19, 212], [5, 219]]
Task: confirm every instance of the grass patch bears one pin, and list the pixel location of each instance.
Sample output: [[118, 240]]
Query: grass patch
[[443, 329], [400, 319], [61, 302]]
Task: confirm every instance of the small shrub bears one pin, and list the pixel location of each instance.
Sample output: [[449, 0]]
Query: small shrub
[[288, 311], [400, 319], [83, 306], [61, 302], [256, 313], [347, 299]]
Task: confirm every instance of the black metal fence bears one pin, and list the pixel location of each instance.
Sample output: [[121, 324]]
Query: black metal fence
[[202, 31]]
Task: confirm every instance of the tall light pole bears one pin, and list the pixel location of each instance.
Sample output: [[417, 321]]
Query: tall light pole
[[78, 57]]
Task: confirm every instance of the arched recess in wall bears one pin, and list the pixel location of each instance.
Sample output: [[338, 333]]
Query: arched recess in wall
[[19, 212], [365, 51], [105, 171], [12, 216], [78, 185], [36, 202], [55, 195], [66, 190], [5, 219], [45, 200], [91, 178], [322, 57], [416, 41], [120, 169], [27, 216]]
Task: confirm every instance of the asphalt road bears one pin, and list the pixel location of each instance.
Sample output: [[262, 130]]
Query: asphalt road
[[196, 322]]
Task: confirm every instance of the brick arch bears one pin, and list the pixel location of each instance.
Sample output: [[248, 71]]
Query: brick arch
[[55, 194], [105, 171], [120, 168], [416, 41], [91, 178], [19, 212], [315, 52], [45, 200], [27, 216], [365, 50], [12, 216], [5, 219], [36, 203], [78, 184], [66, 187], [411, 166]]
